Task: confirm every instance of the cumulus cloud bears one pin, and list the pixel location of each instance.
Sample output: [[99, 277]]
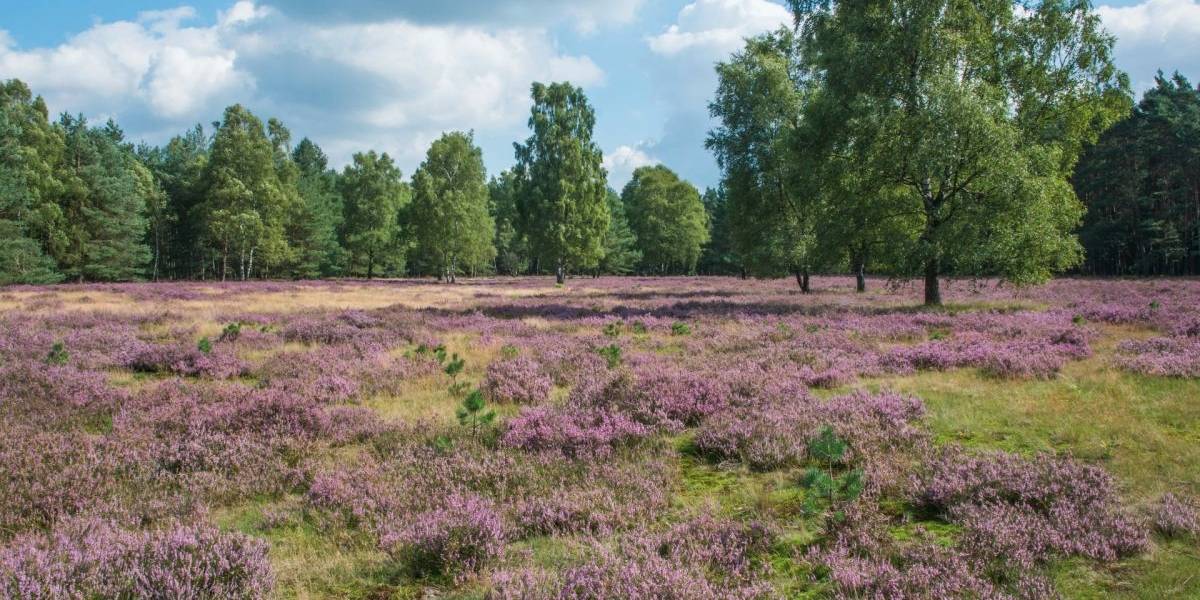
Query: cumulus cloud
[[1156, 34], [623, 161], [392, 86], [585, 15], [717, 27], [150, 64], [704, 32]]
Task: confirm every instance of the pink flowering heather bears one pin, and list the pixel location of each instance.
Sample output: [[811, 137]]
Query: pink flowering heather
[[93, 559], [517, 380], [1175, 517], [574, 433], [1073, 506], [1163, 356], [459, 538]]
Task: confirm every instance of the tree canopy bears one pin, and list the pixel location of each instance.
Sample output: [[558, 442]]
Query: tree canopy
[[561, 184], [667, 217], [449, 215], [958, 121]]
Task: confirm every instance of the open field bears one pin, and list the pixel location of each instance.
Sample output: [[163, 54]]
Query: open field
[[652, 438]]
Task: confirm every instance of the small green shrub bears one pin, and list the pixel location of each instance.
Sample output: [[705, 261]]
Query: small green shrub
[[204, 345], [681, 328], [58, 354], [611, 354], [473, 412]]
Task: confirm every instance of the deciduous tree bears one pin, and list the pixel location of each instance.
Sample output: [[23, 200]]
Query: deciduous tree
[[561, 183]]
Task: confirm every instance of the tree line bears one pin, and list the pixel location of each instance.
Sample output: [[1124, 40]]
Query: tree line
[[239, 201], [913, 138]]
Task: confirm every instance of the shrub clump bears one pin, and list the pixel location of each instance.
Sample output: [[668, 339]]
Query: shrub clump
[[94, 559], [456, 540], [1002, 499], [517, 380]]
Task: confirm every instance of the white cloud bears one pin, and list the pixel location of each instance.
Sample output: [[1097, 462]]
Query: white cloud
[[126, 66], [391, 86], [623, 161], [718, 27], [585, 15], [1156, 34]]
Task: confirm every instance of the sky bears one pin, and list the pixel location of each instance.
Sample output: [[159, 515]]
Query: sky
[[387, 75]]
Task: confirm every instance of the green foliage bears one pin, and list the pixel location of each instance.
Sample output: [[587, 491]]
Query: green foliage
[[827, 488], [668, 217], [1140, 185], [58, 354], [247, 196], [611, 354], [473, 412], [449, 214], [231, 332], [771, 219], [954, 137], [612, 329], [313, 225], [621, 253], [509, 351], [205, 345], [681, 328], [560, 181], [718, 256], [374, 197], [512, 248]]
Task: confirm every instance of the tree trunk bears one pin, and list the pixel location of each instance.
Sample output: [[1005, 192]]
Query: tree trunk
[[370, 266], [933, 289], [860, 278], [802, 280], [560, 273]]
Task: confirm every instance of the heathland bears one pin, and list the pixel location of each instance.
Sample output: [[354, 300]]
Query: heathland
[[616, 437]]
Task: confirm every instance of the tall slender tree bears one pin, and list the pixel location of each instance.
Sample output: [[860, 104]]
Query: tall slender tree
[[561, 183], [621, 254], [512, 249], [246, 202], [374, 196], [772, 218], [103, 203], [449, 213]]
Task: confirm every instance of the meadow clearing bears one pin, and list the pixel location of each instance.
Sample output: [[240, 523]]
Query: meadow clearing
[[616, 437]]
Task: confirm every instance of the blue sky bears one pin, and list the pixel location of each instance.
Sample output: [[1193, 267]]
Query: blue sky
[[391, 76]]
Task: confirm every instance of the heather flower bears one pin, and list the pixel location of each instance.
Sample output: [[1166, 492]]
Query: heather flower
[[1175, 517], [457, 539], [87, 559], [517, 380]]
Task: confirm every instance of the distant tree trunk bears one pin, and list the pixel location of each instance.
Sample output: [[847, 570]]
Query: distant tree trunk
[[370, 265], [860, 277], [933, 290], [560, 273], [802, 280]]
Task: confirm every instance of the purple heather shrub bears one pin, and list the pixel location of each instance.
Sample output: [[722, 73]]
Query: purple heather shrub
[[703, 559], [764, 437], [772, 435], [1175, 517], [94, 559], [220, 363], [459, 538], [1161, 356], [662, 397], [574, 433], [1072, 505], [517, 380]]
